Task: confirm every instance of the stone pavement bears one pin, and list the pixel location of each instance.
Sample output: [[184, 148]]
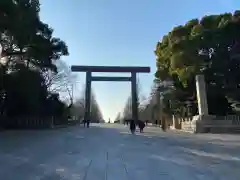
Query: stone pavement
[[109, 152]]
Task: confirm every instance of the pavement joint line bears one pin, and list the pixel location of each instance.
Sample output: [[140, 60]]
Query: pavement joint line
[[87, 169], [106, 171], [125, 167]]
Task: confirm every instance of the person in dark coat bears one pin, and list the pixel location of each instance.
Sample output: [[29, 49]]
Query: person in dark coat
[[84, 122], [88, 123], [141, 126], [132, 126]]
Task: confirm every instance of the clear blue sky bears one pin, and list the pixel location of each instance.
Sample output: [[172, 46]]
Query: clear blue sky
[[120, 32]]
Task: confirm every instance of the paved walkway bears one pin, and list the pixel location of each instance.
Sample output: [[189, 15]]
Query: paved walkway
[[109, 152]]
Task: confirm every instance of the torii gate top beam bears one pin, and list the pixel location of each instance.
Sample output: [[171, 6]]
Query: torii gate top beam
[[116, 69]]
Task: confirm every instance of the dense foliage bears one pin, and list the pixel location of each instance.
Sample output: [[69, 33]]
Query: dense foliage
[[208, 46], [29, 50]]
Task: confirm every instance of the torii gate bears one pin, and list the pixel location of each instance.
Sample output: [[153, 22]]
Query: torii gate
[[113, 69]]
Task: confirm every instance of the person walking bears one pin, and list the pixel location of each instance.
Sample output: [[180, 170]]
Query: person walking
[[88, 123], [132, 126], [141, 126]]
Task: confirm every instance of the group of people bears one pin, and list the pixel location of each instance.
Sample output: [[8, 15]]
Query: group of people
[[140, 124], [133, 125], [86, 122]]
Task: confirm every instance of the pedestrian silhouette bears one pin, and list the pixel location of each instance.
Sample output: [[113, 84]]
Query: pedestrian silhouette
[[132, 126], [88, 123], [141, 126]]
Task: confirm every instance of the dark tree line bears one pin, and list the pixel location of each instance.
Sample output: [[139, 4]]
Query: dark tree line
[[208, 46], [29, 53]]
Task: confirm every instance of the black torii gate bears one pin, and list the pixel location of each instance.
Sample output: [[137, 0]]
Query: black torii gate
[[113, 69]]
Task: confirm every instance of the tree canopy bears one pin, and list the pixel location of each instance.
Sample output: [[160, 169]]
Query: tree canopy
[[28, 51], [208, 46]]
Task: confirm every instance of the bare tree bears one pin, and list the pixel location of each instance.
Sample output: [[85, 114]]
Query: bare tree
[[148, 106], [61, 82], [96, 113], [77, 109], [118, 118], [127, 111]]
